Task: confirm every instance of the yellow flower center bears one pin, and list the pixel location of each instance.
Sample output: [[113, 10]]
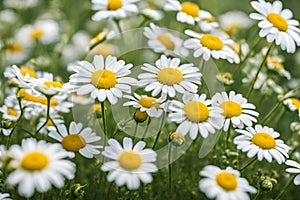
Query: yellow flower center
[[264, 141], [104, 79], [277, 64], [232, 28], [190, 9], [14, 48], [225, 75], [130, 160], [169, 76], [12, 112], [212, 42], [226, 180], [231, 109], [54, 84], [27, 70], [97, 107], [34, 161], [166, 41], [73, 142], [148, 102], [140, 116], [196, 111], [27, 97], [114, 4], [36, 33], [209, 19], [278, 21], [295, 102]]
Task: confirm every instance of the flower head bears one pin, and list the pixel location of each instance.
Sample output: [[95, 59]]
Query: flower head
[[224, 184], [263, 142], [130, 164], [38, 165], [277, 24]]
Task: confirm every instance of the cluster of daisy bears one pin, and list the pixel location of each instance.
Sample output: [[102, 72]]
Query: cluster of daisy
[[51, 68]]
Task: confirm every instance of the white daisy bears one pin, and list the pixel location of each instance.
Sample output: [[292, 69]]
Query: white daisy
[[130, 164], [102, 80], [292, 103], [188, 12], [261, 141], [77, 139], [294, 169], [45, 31], [276, 24], [168, 77], [113, 9], [11, 113], [208, 24], [4, 196], [145, 103], [195, 114], [16, 52], [236, 109], [224, 184], [38, 165], [215, 44], [275, 63], [20, 76], [151, 13], [161, 41], [232, 21]]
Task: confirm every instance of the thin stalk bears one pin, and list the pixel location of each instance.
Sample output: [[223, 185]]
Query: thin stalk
[[248, 164], [117, 21], [146, 129], [103, 118], [228, 136], [285, 188], [48, 115], [264, 120], [145, 20], [170, 170], [259, 69], [159, 131], [135, 130]]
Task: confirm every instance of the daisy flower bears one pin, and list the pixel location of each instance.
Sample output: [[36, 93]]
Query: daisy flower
[[161, 41], [292, 103], [113, 9], [224, 184], [45, 31], [168, 77], [38, 165], [102, 80], [263, 142], [145, 103], [16, 52], [275, 63], [77, 139], [260, 80], [130, 164], [4, 196], [232, 21], [236, 109], [153, 14], [195, 114], [215, 44], [20, 76], [208, 24], [276, 24], [294, 169], [188, 12]]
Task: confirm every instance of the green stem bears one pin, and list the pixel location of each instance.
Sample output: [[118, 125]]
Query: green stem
[[247, 56], [285, 188], [248, 164], [103, 118], [117, 21], [48, 115], [170, 170], [135, 130], [146, 129], [145, 20], [228, 136], [257, 194], [159, 131], [265, 119], [259, 69], [17, 122]]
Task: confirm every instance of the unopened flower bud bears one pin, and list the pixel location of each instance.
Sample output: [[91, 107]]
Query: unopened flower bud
[[6, 124], [176, 139], [140, 116], [77, 191], [225, 77]]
